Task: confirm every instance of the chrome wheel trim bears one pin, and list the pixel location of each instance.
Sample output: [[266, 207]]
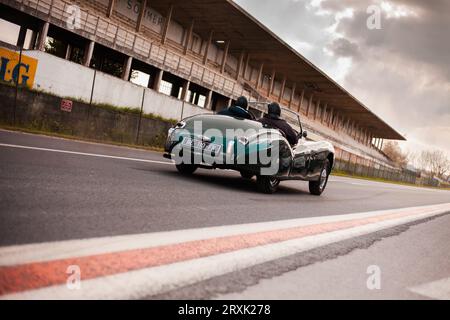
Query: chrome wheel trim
[[274, 182], [323, 178]]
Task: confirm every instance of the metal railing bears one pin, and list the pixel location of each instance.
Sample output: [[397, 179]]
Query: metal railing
[[120, 37]]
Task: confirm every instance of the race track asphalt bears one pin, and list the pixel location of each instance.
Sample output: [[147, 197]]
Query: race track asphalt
[[49, 195]]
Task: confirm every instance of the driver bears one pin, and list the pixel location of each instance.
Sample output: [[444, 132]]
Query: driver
[[272, 119], [239, 109]]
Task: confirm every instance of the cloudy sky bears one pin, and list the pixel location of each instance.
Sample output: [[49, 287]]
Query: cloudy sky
[[400, 71]]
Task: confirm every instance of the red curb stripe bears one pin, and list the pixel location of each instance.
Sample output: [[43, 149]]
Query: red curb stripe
[[43, 274]]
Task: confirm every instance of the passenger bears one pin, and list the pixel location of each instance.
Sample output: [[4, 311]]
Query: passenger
[[239, 109], [272, 119]]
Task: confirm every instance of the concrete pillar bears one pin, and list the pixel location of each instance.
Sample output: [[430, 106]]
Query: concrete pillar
[[158, 78], [272, 81], [68, 51], [141, 14], [239, 66], [259, 79], [166, 25], [88, 52], [294, 86], [283, 85], [347, 127], [196, 98], [330, 118], [127, 68], [246, 65], [188, 39], [309, 105], [42, 36], [324, 113], [208, 100], [21, 37], [224, 56], [302, 97], [185, 90], [34, 35], [316, 109], [110, 8], [208, 44]]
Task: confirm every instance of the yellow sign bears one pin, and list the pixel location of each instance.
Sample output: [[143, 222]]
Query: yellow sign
[[12, 71]]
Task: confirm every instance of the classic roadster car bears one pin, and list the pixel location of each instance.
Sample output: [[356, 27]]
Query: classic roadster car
[[224, 142]]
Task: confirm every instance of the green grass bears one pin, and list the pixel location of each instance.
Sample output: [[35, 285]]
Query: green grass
[[105, 106], [339, 173]]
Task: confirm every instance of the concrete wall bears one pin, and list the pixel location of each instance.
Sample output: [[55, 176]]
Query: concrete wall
[[42, 111], [111, 90], [61, 77], [68, 79]]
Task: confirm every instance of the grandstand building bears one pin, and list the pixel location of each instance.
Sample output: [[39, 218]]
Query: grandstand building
[[204, 53]]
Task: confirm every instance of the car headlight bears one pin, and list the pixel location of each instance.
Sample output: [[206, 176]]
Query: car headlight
[[171, 132]]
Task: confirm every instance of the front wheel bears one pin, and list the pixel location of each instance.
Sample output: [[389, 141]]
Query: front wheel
[[317, 187], [186, 168], [267, 184]]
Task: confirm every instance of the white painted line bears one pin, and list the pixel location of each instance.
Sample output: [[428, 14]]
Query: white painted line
[[157, 280], [83, 153], [436, 290], [20, 254]]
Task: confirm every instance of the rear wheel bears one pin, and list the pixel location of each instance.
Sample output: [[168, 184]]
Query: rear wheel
[[186, 168], [317, 187], [246, 175], [267, 184]]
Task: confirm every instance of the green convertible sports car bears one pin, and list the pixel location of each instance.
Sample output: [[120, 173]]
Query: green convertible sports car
[[225, 142]]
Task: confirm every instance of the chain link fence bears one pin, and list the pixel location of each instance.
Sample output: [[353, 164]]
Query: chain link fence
[[383, 173]]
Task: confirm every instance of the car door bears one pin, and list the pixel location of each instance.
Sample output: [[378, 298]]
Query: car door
[[301, 161]]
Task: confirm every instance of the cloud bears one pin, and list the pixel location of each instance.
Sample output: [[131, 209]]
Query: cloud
[[344, 48], [401, 72]]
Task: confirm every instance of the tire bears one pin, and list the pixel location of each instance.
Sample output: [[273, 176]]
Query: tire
[[267, 184], [317, 187], [186, 168], [246, 175]]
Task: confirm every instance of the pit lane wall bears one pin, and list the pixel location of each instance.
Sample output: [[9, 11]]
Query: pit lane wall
[[46, 73]]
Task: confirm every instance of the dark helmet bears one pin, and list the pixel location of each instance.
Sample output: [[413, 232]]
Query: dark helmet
[[274, 109], [242, 102]]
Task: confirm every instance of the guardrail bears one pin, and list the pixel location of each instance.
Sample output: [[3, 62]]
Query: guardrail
[[121, 37]]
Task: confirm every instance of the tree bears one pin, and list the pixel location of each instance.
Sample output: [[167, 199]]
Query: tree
[[393, 151], [436, 162]]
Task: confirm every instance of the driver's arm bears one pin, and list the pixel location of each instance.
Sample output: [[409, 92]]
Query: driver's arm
[[291, 134]]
